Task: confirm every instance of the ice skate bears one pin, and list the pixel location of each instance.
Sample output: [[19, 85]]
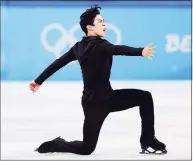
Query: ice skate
[[152, 146], [51, 146]]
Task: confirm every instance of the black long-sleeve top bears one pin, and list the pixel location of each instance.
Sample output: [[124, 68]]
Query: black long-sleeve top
[[95, 56]]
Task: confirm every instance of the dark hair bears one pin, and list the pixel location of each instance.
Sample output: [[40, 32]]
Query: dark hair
[[87, 18]]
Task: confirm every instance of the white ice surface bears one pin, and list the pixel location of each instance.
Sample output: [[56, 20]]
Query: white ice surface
[[28, 119]]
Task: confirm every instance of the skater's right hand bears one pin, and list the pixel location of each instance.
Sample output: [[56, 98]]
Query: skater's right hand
[[33, 86]]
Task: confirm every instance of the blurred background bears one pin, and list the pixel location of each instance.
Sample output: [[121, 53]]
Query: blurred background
[[35, 33]]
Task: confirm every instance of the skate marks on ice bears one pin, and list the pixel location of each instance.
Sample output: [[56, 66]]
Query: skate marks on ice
[[27, 120]]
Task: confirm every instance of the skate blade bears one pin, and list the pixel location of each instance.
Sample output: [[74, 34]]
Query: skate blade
[[155, 152]]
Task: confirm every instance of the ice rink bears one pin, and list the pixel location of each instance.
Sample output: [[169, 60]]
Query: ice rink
[[28, 119]]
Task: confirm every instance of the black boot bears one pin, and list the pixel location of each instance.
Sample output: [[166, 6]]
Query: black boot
[[156, 145], [55, 145]]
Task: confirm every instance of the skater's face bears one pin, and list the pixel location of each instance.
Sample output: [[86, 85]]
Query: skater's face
[[98, 28]]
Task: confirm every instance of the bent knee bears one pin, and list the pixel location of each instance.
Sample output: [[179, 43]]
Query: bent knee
[[147, 95], [87, 149], [87, 152]]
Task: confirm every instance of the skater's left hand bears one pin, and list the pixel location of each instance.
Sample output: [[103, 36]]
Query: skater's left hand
[[148, 51]]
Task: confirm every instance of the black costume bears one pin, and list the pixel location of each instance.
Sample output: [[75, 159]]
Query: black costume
[[95, 56]]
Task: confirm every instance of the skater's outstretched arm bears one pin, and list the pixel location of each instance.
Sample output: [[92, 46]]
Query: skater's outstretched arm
[[147, 51], [52, 68]]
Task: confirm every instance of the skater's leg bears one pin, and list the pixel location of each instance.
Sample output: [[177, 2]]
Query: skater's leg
[[94, 117], [128, 98]]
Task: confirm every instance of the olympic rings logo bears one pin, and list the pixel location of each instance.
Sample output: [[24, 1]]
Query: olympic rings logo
[[68, 38]]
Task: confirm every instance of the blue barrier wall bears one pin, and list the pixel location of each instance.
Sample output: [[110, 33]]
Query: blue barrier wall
[[34, 36]]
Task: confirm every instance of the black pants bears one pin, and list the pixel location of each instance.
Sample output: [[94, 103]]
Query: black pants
[[95, 115]]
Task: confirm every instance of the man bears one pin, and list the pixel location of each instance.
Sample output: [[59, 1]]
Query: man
[[95, 57]]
